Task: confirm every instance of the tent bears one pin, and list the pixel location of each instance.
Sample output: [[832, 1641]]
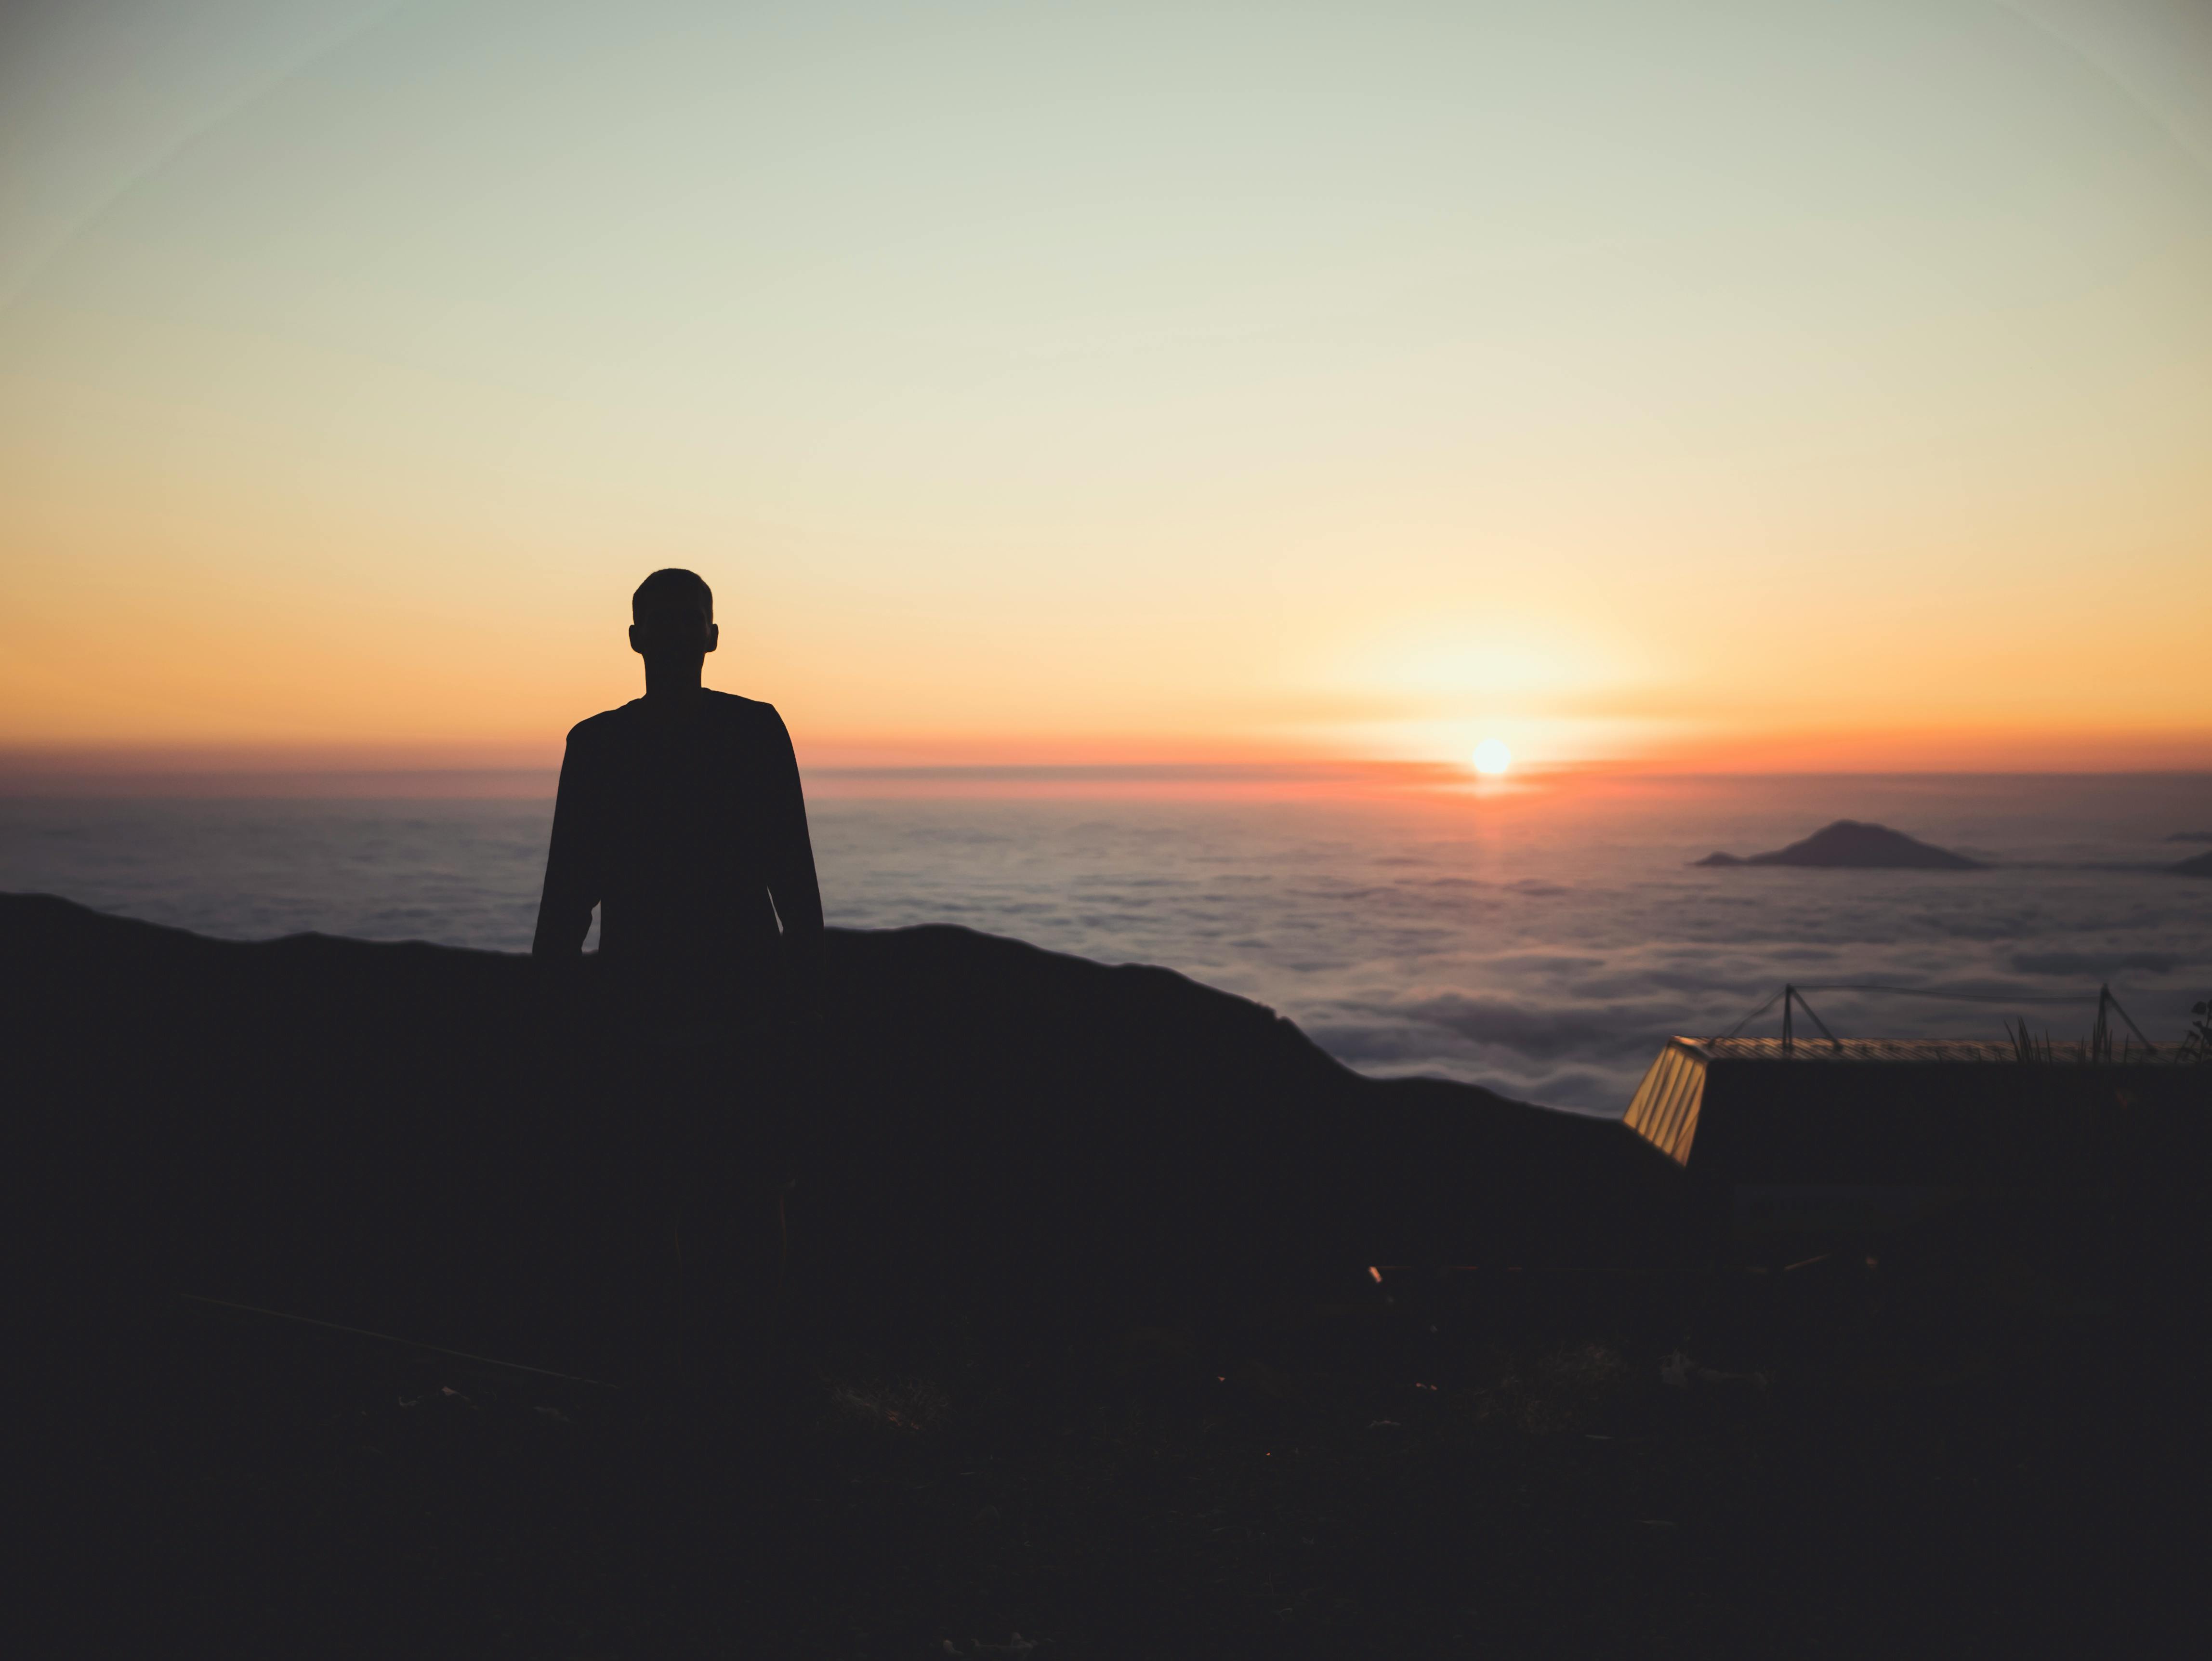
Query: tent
[[1876, 1132]]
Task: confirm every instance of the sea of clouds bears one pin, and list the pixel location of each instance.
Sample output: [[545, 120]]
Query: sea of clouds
[[1543, 940]]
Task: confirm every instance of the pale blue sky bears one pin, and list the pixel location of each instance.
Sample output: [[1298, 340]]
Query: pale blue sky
[[1366, 379]]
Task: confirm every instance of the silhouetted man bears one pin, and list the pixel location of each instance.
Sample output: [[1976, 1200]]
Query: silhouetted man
[[680, 817]]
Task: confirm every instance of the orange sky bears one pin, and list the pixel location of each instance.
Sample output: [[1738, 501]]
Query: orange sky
[[1813, 387]]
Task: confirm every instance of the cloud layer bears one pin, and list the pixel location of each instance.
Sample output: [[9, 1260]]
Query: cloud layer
[[1544, 948]]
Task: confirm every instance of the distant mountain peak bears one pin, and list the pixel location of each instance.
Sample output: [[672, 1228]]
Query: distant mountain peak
[[2197, 865], [1849, 845]]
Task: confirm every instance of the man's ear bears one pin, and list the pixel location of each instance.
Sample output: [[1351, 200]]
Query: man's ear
[[713, 635], [634, 645]]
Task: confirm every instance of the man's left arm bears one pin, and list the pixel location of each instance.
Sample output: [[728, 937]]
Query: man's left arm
[[574, 874]]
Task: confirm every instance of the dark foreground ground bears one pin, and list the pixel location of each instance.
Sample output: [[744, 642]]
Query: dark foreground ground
[[1077, 1343], [1959, 1455]]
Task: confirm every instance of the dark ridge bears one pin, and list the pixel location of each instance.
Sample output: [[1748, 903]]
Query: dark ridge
[[1020, 1159], [2191, 836], [445, 1144], [1850, 845], [2198, 865]]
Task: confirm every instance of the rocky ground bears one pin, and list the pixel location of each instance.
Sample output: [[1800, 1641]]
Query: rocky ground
[[1969, 1448], [1079, 1356]]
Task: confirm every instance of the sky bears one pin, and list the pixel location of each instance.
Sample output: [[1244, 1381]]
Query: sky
[[1734, 384]]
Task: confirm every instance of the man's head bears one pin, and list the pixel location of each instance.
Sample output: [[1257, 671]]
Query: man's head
[[672, 615]]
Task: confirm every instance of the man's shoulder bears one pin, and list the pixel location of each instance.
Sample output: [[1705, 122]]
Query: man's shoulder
[[604, 724], [723, 709], [731, 703], [729, 707]]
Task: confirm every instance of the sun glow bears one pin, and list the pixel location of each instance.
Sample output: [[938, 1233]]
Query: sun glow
[[1491, 756]]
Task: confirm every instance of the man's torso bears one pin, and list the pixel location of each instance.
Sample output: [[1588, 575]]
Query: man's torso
[[682, 813]]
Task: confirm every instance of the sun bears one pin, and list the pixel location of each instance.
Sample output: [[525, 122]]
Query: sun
[[1491, 756]]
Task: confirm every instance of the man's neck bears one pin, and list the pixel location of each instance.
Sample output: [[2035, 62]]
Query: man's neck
[[672, 684]]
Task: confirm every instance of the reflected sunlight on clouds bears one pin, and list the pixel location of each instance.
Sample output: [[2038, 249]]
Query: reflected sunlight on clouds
[[1542, 936]]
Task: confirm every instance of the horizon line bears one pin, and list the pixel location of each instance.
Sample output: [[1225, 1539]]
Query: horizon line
[[1317, 777]]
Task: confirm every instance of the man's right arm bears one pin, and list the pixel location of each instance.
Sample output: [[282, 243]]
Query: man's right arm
[[573, 863]]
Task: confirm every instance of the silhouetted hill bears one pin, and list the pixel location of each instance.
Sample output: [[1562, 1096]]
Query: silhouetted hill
[[451, 1145], [2198, 865], [1971, 1439], [1850, 845]]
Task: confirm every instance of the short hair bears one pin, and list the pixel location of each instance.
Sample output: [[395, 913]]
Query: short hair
[[672, 586]]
